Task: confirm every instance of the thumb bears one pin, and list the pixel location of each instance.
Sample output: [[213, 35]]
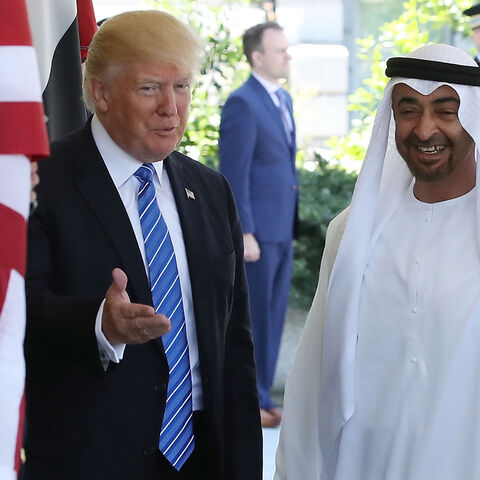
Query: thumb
[[119, 285]]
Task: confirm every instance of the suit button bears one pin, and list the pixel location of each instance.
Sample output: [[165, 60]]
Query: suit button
[[294, 187], [150, 450]]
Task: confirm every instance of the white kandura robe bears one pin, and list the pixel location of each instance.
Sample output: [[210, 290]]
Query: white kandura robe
[[417, 408]]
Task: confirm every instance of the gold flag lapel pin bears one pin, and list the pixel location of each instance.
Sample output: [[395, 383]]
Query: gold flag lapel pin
[[190, 194]]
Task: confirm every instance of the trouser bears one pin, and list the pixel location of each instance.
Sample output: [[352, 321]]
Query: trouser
[[269, 286]]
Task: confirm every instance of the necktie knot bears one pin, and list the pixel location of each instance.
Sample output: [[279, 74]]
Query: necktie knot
[[145, 172]]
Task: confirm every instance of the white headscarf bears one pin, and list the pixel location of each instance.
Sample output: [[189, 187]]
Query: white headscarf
[[382, 181]]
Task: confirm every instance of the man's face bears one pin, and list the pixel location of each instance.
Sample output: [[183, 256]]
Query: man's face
[[272, 61], [430, 138], [144, 108]]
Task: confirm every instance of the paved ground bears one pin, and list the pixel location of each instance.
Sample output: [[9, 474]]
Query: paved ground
[[291, 335]]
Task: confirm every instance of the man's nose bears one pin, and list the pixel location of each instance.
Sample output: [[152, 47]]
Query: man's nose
[[167, 104], [426, 127]]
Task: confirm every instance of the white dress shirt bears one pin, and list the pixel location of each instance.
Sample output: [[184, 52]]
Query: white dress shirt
[[417, 394], [121, 167]]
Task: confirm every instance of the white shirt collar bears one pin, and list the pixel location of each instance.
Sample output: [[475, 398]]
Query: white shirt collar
[[269, 86], [120, 164]]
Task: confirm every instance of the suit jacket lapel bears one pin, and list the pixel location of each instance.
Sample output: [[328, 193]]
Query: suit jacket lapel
[[274, 112], [191, 213], [102, 197]]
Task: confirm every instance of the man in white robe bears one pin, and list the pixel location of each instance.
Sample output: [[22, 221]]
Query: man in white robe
[[386, 380]]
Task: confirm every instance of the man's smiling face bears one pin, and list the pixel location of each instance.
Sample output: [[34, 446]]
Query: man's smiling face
[[429, 135]]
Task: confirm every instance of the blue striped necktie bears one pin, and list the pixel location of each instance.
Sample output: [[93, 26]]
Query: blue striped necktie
[[176, 437]]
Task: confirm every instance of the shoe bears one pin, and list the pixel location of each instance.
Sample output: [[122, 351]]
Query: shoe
[[268, 419]]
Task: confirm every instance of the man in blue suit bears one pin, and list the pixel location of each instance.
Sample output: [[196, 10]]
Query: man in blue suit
[[257, 155]]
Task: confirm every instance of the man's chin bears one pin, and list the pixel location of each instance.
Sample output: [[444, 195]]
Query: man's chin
[[431, 177]]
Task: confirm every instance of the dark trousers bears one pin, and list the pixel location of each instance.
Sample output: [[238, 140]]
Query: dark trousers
[[268, 289], [197, 467]]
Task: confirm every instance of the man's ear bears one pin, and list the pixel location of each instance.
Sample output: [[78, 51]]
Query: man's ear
[[257, 58], [99, 94]]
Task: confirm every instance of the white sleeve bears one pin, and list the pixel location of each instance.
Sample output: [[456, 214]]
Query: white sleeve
[[108, 352]]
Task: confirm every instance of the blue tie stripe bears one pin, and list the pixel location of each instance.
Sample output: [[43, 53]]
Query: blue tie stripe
[[176, 438], [176, 360], [180, 446], [174, 342], [180, 418], [162, 295], [158, 288], [157, 250], [181, 422], [169, 345], [180, 383]]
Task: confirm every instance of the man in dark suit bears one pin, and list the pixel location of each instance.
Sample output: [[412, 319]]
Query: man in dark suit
[[257, 155], [150, 375], [474, 14]]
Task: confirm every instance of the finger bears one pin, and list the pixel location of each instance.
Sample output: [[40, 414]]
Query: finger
[[119, 279], [119, 285], [136, 311], [153, 327]]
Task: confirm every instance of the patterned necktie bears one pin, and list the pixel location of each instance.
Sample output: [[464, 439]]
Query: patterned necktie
[[285, 114], [176, 436]]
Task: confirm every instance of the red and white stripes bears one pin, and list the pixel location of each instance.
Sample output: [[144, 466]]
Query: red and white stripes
[[23, 137]]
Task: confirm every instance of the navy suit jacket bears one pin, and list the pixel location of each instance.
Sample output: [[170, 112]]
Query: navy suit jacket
[[87, 423], [259, 163]]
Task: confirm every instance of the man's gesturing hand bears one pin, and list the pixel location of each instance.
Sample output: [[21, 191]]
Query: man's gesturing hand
[[126, 322]]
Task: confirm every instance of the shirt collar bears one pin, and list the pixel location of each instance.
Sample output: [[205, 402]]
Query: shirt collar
[[120, 164], [269, 86]]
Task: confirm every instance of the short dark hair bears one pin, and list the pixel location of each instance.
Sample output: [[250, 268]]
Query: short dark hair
[[252, 38]]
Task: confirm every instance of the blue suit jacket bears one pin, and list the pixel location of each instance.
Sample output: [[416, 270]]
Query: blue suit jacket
[[258, 162]]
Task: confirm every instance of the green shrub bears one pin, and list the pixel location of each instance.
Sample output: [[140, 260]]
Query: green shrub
[[325, 190]]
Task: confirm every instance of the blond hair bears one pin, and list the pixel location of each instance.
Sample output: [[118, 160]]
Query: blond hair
[[145, 35]]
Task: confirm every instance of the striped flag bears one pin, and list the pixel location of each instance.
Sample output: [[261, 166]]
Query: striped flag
[[87, 25], [23, 137], [62, 31]]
